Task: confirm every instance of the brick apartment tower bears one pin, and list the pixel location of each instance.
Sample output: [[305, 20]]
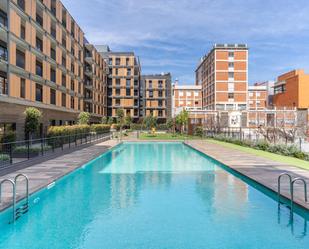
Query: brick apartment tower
[[156, 93], [123, 82], [42, 65], [223, 75]]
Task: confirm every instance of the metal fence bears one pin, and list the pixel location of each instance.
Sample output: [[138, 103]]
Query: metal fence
[[21, 151]]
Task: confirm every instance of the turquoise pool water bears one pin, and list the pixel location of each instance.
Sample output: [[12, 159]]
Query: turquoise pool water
[[154, 195]]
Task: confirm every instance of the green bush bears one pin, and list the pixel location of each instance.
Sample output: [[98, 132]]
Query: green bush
[[55, 131], [8, 137], [198, 131], [136, 126], [36, 149], [280, 149], [4, 157], [100, 128], [162, 127], [83, 118]]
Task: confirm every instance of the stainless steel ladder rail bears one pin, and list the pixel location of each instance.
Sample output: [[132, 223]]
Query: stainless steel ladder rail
[[279, 184], [14, 194], [292, 190], [24, 208]]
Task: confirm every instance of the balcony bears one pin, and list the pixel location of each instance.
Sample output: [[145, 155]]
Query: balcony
[[3, 53]]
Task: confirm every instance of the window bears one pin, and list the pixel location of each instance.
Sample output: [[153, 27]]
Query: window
[[231, 75], [39, 68], [150, 84], [129, 71], [72, 102], [128, 83], [117, 61], [3, 19], [231, 64], [38, 92], [135, 92], [3, 83], [230, 87], [52, 96], [135, 112], [22, 88], [117, 91], [53, 30], [64, 40], [39, 44], [53, 53], [160, 113], [3, 51], [39, 19], [52, 75], [160, 103], [63, 80], [188, 94], [151, 94], [53, 7], [160, 93], [135, 102], [72, 68], [63, 100], [231, 95], [22, 31], [231, 54], [160, 83], [196, 94], [180, 93], [116, 71], [250, 94], [72, 85], [118, 102], [110, 61], [128, 92], [20, 58], [258, 94], [117, 82], [64, 61], [128, 112], [135, 83], [21, 4], [127, 61]]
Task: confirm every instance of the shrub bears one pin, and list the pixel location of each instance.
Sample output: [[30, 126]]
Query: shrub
[[4, 157], [136, 126], [100, 128], [54, 131], [83, 118], [162, 127], [36, 149], [262, 145], [198, 131], [8, 137]]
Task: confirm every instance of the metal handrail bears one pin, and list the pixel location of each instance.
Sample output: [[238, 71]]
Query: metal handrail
[[279, 183], [27, 184], [14, 194], [292, 190]]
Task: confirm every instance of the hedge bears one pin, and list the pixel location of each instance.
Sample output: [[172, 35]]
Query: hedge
[[8, 137], [280, 149], [100, 128], [54, 131], [4, 157]]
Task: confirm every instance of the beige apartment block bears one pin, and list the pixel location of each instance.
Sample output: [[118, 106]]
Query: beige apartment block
[[95, 84], [223, 75], [156, 91], [42, 64], [123, 83], [188, 97]]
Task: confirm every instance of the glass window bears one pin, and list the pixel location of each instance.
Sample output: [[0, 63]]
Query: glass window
[[22, 31], [22, 88], [39, 68], [52, 96], [52, 75], [63, 99], [38, 92], [128, 92], [39, 43], [20, 58], [128, 83]]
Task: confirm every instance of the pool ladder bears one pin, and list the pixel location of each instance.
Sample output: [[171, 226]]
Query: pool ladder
[[17, 212], [292, 182]]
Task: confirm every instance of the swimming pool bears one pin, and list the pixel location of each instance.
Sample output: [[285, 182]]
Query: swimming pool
[[154, 195]]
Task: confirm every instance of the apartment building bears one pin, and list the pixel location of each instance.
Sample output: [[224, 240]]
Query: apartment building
[[257, 97], [95, 84], [223, 75], [123, 83], [156, 93], [187, 97], [292, 90], [42, 64]]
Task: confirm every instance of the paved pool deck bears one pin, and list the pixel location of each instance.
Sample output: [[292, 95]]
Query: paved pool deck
[[259, 169], [42, 174]]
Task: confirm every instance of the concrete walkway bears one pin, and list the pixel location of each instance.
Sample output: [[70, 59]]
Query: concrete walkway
[[42, 174], [261, 170]]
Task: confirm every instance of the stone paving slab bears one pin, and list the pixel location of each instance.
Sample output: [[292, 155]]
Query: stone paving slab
[[42, 174], [259, 169]]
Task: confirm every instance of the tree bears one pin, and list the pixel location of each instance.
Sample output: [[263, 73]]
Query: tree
[[170, 124], [120, 116], [104, 120], [110, 120], [128, 121], [182, 119], [84, 118], [32, 121], [150, 122]]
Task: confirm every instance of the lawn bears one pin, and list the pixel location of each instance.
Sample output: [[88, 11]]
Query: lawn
[[165, 136], [278, 158]]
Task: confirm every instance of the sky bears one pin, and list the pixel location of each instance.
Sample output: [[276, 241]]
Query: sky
[[172, 35]]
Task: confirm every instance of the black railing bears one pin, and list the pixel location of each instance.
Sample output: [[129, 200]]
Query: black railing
[[20, 151]]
